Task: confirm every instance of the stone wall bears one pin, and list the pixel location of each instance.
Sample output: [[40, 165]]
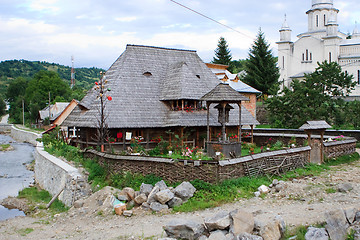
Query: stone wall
[[53, 175], [5, 128], [24, 136]]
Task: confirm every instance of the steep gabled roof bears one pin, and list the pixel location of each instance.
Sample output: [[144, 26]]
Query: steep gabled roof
[[223, 92], [141, 80]]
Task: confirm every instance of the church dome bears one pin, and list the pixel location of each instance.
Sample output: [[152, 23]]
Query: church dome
[[317, 2]]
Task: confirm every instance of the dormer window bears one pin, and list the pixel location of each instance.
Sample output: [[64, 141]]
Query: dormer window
[[147, 74], [198, 76]]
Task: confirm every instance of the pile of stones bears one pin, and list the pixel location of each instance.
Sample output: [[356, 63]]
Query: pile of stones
[[159, 197], [238, 224]]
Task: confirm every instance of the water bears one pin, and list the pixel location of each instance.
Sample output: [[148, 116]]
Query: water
[[13, 173]]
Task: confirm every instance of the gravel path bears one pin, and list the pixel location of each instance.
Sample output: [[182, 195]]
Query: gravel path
[[302, 201]]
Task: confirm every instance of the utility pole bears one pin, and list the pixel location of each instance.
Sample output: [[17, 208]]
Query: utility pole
[[23, 112], [49, 109]]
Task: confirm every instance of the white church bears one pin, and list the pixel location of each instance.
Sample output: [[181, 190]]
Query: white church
[[323, 41]]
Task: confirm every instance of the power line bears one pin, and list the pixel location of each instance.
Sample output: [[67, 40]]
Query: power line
[[211, 19]]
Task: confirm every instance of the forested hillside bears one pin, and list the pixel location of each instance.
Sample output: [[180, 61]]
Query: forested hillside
[[9, 70]]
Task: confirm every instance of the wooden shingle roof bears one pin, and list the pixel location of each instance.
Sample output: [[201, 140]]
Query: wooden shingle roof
[[142, 79], [223, 92], [315, 125]]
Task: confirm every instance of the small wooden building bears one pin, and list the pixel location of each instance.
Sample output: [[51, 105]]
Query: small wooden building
[[154, 90]]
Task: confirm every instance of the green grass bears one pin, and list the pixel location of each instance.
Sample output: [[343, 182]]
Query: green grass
[[41, 198], [4, 147], [264, 126], [24, 231]]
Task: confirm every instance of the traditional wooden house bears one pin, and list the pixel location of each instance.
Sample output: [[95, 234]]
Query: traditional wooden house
[[155, 92]]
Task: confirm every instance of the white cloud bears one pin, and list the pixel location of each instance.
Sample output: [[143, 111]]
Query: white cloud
[[126, 19], [25, 27], [44, 5]]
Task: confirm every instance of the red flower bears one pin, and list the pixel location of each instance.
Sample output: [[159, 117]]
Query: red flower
[[96, 83], [109, 98]]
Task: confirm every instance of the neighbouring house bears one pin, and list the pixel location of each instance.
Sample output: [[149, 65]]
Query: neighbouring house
[[322, 42], [55, 110], [155, 93], [63, 115], [234, 81]]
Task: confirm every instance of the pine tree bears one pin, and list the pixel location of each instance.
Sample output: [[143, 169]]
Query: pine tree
[[222, 53], [261, 68]]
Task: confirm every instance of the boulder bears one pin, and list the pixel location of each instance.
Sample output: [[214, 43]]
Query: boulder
[[336, 224], [271, 231], [123, 198], [275, 182], [164, 196], [146, 188], [357, 216], [220, 221], [241, 222], [248, 236], [350, 214], [129, 192], [175, 202], [184, 229], [152, 195], [145, 206], [140, 199], [263, 189], [218, 235], [316, 234], [257, 194], [281, 223], [162, 185], [344, 187], [157, 207], [185, 191]]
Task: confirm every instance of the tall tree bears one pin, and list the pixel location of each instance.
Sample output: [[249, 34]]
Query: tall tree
[[261, 68], [222, 53], [2, 107], [318, 97]]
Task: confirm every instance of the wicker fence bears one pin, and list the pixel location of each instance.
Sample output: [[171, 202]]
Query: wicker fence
[[267, 163]]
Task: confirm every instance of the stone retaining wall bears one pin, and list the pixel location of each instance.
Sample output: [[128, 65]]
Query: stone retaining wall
[[5, 128], [53, 175], [24, 136]]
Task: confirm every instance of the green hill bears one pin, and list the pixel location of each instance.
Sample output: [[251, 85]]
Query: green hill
[[9, 70]]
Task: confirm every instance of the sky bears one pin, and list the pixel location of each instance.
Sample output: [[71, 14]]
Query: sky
[[97, 32]]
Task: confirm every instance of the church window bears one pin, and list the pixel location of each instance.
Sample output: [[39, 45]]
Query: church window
[[329, 56], [303, 57], [283, 62], [324, 20], [317, 20], [358, 76], [307, 55], [310, 56]]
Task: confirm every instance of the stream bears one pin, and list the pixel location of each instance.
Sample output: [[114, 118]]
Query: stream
[[13, 173]]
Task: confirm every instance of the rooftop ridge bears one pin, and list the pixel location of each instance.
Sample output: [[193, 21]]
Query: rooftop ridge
[[164, 48]]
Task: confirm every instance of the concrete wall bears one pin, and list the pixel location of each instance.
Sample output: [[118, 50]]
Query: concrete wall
[[53, 175]]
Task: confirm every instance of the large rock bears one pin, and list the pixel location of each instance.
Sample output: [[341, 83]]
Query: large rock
[[271, 231], [162, 185], [185, 191], [140, 199], [219, 221], [248, 236], [164, 196], [157, 207], [175, 202], [336, 224], [183, 229], [152, 195], [316, 234], [217, 235], [282, 226], [146, 188], [128, 192], [16, 203], [350, 214], [241, 222], [263, 189]]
